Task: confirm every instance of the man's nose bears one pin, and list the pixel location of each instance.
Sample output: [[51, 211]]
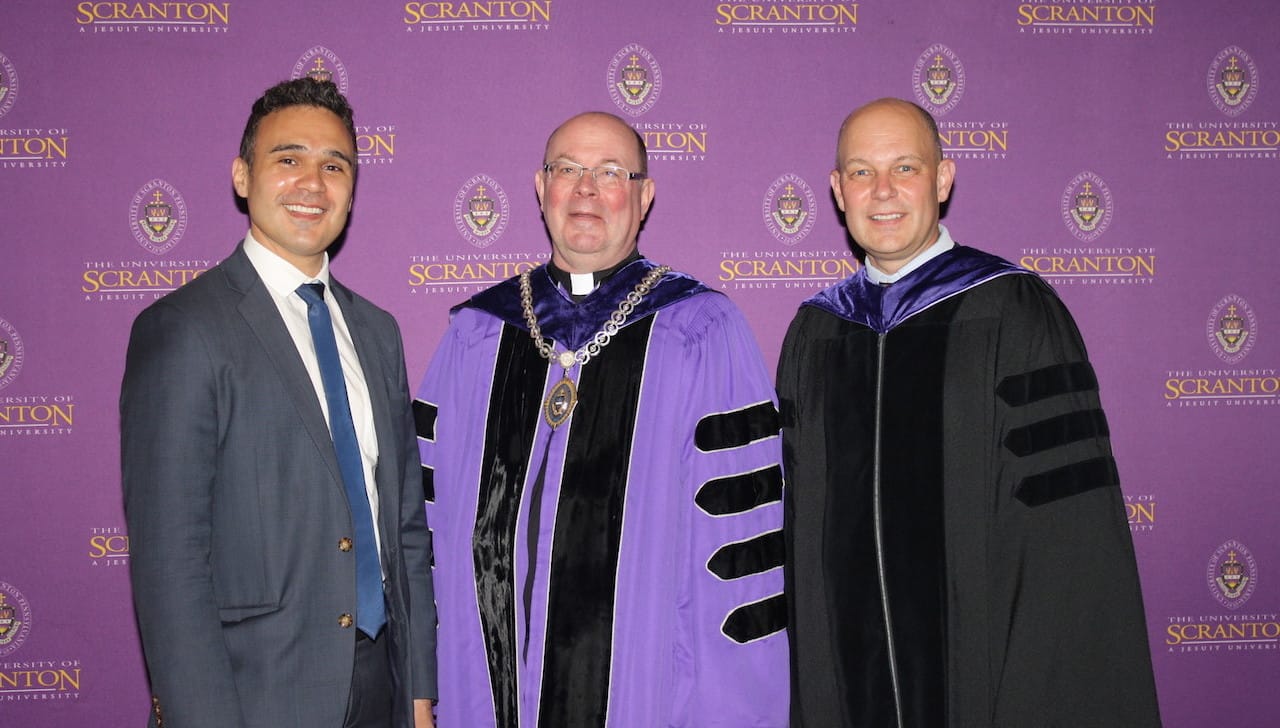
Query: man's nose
[[586, 184]]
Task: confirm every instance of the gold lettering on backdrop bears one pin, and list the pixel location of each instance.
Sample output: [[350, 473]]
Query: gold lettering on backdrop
[[833, 13], [529, 10], [207, 13]]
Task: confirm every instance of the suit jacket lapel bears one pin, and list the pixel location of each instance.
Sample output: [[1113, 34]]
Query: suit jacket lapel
[[373, 364], [260, 313]]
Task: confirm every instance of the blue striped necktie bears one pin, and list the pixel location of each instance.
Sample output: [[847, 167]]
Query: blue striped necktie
[[371, 612]]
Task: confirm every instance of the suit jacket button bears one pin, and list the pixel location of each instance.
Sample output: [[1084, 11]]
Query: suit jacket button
[[344, 544], [345, 620]]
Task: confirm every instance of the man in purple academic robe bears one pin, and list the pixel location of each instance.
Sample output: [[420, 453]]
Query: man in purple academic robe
[[601, 456]]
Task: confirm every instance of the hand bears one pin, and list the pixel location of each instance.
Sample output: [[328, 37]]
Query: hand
[[422, 717]]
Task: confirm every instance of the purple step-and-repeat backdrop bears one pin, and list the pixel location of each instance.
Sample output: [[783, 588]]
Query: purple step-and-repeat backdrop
[[1125, 149]]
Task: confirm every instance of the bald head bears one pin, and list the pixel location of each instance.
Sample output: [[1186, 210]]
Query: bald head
[[596, 119], [889, 181], [929, 127], [593, 224]]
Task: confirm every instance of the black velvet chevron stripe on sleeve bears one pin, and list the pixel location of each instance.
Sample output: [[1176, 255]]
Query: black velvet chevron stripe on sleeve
[[740, 493], [1023, 389], [424, 419], [1056, 431], [756, 620], [1068, 480], [726, 430], [744, 558], [424, 422]]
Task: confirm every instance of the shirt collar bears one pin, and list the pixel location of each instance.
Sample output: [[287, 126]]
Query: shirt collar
[[586, 283], [281, 277], [940, 246]]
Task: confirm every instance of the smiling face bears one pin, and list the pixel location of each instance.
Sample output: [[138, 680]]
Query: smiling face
[[889, 182], [300, 183], [593, 229]]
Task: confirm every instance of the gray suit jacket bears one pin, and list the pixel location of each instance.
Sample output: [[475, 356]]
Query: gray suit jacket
[[235, 508]]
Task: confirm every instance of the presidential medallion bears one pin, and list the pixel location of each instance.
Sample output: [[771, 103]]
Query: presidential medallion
[[560, 403]]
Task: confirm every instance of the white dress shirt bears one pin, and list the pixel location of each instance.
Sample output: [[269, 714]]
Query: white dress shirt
[[282, 280], [940, 246]]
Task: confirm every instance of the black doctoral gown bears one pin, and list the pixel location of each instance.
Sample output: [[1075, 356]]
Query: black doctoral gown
[[958, 553]]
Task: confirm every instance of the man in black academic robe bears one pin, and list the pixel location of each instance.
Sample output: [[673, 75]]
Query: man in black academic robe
[[957, 547]]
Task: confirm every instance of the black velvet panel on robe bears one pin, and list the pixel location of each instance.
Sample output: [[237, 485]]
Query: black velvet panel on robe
[[910, 531], [575, 685], [588, 534], [911, 501], [515, 405]]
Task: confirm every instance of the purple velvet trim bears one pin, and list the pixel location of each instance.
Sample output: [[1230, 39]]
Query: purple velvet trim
[[881, 308], [572, 325]]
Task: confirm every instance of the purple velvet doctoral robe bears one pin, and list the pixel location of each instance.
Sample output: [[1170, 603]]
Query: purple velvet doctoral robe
[[623, 569]]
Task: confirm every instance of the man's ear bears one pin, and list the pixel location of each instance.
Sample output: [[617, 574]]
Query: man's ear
[[647, 190], [946, 175], [240, 176]]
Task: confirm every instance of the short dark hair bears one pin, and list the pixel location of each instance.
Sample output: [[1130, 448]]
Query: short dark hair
[[303, 91]]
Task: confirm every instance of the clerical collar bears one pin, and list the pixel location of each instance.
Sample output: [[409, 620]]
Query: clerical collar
[[580, 285], [940, 246]]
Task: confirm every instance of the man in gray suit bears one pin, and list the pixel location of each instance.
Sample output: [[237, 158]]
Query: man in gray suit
[[280, 553]]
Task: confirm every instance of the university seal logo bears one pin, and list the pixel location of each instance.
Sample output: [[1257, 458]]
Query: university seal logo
[[789, 209], [8, 85], [1232, 574], [11, 353], [1087, 206], [481, 211], [938, 79], [321, 64], [635, 79], [158, 216], [15, 619], [1231, 329], [1232, 80]]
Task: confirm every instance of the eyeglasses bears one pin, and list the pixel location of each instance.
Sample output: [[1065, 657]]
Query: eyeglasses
[[607, 176]]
